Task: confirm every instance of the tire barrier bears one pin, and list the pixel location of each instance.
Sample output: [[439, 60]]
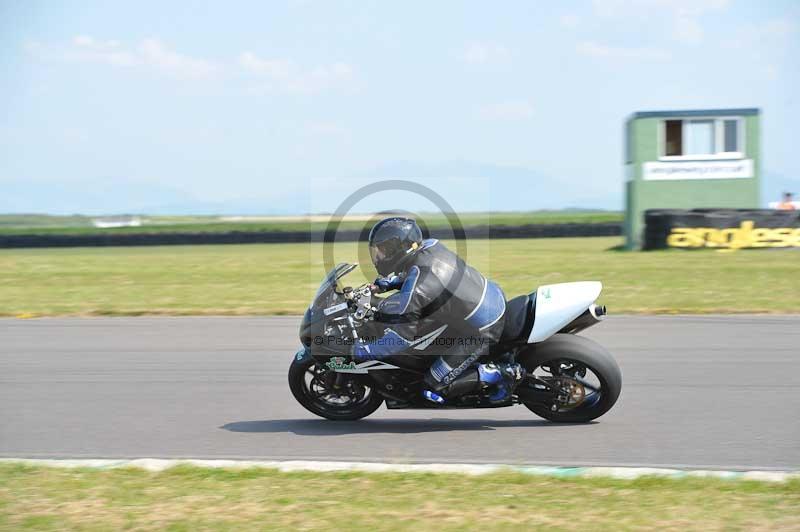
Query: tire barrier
[[275, 237], [721, 228]]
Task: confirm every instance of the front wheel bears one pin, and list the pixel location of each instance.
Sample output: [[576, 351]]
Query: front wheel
[[583, 379], [336, 396]]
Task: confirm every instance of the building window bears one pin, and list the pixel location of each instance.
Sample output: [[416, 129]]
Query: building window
[[699, 137], [731, 136], [674, 138], [705, 137]]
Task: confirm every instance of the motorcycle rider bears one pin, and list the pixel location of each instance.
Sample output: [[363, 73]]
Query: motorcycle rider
[[439, 298]]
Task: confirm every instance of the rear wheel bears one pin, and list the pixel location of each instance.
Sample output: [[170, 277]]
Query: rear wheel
[[336, 396], [583, 378]]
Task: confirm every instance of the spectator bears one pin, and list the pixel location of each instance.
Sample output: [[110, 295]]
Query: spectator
[[787, 204]]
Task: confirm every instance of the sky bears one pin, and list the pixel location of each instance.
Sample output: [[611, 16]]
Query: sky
[[289, 107]]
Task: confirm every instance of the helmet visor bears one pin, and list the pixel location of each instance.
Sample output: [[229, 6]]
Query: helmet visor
[[386, 254], [380, 252]]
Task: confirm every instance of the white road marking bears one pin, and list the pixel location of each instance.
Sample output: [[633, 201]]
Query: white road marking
[[159, 464]]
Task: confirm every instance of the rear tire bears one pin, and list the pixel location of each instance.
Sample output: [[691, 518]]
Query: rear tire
[[315, 405], [584, 351]]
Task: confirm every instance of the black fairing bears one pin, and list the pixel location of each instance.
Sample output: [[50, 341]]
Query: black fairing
[[312, 326], [315, 324]]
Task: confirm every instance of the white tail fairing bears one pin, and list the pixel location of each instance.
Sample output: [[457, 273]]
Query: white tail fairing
[[558, 304]]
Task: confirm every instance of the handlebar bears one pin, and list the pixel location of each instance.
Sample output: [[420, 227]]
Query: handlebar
[[362, 297]]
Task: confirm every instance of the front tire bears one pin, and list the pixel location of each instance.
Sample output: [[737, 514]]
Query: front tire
[[570, 351], [309, 382]]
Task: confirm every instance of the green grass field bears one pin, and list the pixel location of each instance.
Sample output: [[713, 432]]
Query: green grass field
[[81, 225], [189, 498], [281, 278]]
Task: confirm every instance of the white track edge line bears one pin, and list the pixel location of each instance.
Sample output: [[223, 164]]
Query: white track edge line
[[160, 464]]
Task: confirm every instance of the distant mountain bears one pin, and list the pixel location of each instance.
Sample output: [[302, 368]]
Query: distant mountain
[[84, 197], [231, 207], [102, 197], [504, 188], [467, 186]]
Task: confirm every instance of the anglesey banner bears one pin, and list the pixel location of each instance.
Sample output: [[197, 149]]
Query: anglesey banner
[[721, 229]]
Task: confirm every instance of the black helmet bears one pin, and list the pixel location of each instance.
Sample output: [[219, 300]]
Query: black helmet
[[392, 242]]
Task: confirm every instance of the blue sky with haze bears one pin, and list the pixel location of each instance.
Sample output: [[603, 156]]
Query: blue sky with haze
[[287, 107]]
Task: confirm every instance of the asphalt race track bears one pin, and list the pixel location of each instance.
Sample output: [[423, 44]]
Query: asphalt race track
[[708, 392]]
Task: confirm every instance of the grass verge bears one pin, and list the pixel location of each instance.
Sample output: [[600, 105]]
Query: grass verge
[[282, 278], [82, 225], [192, 498]]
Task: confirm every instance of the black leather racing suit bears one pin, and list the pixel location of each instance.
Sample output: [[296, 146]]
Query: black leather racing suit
[[443, 307]]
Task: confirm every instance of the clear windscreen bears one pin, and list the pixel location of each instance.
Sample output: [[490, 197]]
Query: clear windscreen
[[326, 293]]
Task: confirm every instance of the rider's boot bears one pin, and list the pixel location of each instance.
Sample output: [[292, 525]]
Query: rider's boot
[[503, 377], [500, 379], [451, 376], [467, 382]]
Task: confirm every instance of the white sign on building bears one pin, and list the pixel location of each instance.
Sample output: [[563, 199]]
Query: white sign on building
[[735, 169]]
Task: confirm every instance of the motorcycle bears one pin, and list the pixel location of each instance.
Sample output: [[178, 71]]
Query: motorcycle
[[568, 378]]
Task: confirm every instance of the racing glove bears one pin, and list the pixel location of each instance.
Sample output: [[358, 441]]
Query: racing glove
[[384, 284]]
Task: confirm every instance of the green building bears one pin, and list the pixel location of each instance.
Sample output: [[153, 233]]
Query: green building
[[689, 159]]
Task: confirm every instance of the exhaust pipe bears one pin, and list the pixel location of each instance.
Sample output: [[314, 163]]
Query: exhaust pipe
[[593, 315]]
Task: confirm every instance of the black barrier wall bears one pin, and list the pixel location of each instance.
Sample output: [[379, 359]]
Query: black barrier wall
[[721, 228], [244, 237]]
